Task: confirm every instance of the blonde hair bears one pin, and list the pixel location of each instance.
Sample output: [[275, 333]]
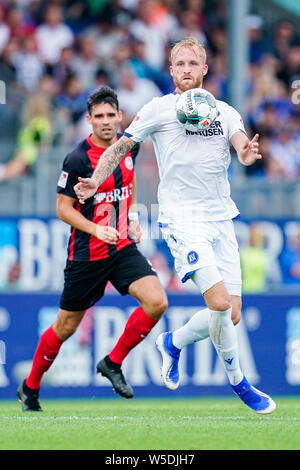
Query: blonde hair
[[188, 42]]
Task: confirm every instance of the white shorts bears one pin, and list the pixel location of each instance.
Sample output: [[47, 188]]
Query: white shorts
[[211, 249]]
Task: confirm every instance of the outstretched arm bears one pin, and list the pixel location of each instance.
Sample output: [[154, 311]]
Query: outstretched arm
[[109, 160]]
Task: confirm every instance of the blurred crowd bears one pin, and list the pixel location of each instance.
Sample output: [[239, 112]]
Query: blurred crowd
[[54, 54]]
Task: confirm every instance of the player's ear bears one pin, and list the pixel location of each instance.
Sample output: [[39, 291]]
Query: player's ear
[[205, 70], [88, 118], [171, 70], [120, 115]]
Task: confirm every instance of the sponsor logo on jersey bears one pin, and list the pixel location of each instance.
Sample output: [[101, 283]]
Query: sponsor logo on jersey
[[62, 181], [192, 257], [118, 194], [215, 129]]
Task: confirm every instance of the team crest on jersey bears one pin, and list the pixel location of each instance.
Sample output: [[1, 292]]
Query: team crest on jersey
[[192, 257], [129, 163], [62, 181]]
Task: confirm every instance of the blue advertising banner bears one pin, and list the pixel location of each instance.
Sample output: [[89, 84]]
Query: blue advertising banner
[[33, 253], [269, 341]]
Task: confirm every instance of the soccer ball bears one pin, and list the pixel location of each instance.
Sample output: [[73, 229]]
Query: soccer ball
[[196, 109]]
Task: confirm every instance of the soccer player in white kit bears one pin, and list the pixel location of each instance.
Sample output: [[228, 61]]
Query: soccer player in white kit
[[195, 214]]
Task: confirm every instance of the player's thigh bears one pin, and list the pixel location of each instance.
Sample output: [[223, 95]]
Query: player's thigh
[[84, 284], [151, 295], [67, 323], [191, 250], [130, 266], [228, 258]]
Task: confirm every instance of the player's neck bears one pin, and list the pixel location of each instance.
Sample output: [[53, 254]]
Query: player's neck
[[179, 91], [102, 143]]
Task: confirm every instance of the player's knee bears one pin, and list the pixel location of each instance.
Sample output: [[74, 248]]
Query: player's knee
[[220, 304], [157, 306]]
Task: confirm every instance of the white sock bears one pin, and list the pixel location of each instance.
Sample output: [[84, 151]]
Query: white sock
[[194, 330], [223, 335]]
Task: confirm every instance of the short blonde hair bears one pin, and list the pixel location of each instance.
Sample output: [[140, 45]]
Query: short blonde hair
[[188, 42]]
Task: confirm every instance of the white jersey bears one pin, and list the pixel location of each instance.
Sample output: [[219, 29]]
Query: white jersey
[[192, 165]]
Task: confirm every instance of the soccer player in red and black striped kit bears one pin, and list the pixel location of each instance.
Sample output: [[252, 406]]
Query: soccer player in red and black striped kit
[[102, 248]]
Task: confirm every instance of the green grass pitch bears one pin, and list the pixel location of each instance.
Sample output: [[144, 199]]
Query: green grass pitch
[[150, 424]]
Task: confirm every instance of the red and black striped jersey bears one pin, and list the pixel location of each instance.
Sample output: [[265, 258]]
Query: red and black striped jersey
[[109, 206]]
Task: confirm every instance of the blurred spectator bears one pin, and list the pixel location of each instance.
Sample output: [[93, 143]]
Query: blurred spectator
[[284, 35], [18, 26], [86, 63], [29, 67], [8, 71], [72, 99], [133, 93], [35, 134], [254, 262], [266, 90], [53, 35], [140, 66], [77, 15], [190, 27], [289, 70], [283, 151], [217, 40], [107, 37], [143, 27], [197, 7], [64, 68], [257, 45], [118, 62], [290, 259]]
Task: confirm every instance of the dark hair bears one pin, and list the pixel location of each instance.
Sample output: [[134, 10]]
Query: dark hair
[[103, 95]]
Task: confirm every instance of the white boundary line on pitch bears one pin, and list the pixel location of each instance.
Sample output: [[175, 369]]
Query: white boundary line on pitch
[[112, 418]]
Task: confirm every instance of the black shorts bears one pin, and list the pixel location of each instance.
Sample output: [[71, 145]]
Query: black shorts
[[85, 281]]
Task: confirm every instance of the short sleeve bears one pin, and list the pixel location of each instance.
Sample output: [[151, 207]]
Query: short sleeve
[[145, 123], [235, 122], [71, 170]]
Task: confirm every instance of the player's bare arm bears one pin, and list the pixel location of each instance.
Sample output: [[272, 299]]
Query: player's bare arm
[[110, 159], [134, 225], [67, 213], [247, 150]]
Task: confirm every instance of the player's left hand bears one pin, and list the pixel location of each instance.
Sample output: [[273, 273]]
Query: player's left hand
[[135, 230], [250, 151]]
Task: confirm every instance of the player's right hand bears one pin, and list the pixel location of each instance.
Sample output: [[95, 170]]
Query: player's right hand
[[107, 234], [85, 189]]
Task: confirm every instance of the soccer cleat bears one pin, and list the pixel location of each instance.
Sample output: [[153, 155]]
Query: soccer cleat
[[255, 399], [170, 357], [29, 398], [117, 379]]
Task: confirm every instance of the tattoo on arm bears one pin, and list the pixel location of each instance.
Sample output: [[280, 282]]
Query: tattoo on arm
[[111, 158]]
